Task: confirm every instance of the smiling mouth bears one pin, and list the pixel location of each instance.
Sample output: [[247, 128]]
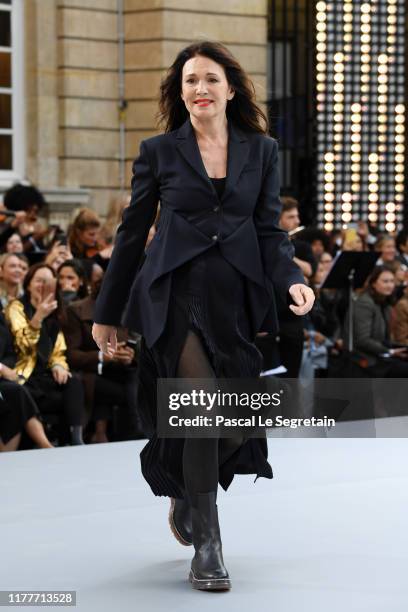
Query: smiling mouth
[[203, 103]]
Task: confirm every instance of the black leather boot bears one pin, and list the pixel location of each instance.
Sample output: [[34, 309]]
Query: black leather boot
[[208, 572], [180, 521]]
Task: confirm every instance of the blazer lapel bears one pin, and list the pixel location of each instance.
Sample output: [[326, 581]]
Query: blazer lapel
[[238, 150]]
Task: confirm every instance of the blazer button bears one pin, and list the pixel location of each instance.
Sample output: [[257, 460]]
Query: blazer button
[[216, 208], [215, 237]]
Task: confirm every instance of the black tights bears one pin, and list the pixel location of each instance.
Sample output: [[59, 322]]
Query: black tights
[[201, 456]]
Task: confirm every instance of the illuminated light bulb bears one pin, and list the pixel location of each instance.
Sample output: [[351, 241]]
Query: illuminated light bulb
[[339, 68], [365, 78], [355, 167], [382, 68], [365, 28], [356, 148], [399, 138], [329, 187], [365, 68], [373, 187], [356, 127], [348, 27], [390, 207], [365, 18], [365, 8], [372, 217], [329, 177], [321, 16], [399, 178], [338, 137], [339, 57], [399, 118], [383, 78], [329, 157], [382, 128], [329, 216], [329, 197], [373, 168], [373, 207], [321, 47], [328, 227], [329, 167], [400, 129], [373, 197], [321, 36], [356, 178], [391, 29], [382, 108], [321, 27], [399, 159], [346, 206], [382, 88], [382, 99], [356, 157], [365, 48], [339, 78], [321, 67], [356, 107], [338, 97], [346, 217], [321, 7], [399, 188], [338, 87], [373, 177], [365, 38], [399, 148], [355, 138], [390, 227], [373, 157], [338, 147], [355, 187], [383, 58], [321, 87], [400, 108], [338, 117], [399, 168], [321, 57], [390, 217]]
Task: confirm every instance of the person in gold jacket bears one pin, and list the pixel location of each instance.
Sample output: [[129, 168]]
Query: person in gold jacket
[[34, 321]]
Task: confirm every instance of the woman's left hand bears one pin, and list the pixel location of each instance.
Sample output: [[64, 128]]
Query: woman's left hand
[[60, 374], [303, 297]]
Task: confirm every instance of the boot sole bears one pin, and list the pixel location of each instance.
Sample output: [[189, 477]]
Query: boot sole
[[173, 527], [209, 584]]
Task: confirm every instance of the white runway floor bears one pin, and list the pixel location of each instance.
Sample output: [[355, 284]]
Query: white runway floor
[[328, 533]]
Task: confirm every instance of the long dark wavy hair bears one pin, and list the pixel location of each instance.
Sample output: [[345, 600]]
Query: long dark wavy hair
[[242, 109]]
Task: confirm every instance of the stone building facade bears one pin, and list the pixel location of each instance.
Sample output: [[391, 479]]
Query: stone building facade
[[79, 58]]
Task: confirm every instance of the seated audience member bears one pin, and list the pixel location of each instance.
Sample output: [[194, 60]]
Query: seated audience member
[[371, 328], [399, 320], [26, 201], [11, 278], [14, 244], [34, 321], [318, 239], [83, 239], [402, 247], [108, 380], [386, 246], [107, 233], [18, 411], [72, 281], [325, 260]]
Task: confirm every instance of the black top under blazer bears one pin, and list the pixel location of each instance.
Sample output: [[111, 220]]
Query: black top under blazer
[[243, 225]]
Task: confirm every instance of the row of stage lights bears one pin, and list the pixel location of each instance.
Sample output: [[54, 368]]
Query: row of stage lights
[[360, 112]]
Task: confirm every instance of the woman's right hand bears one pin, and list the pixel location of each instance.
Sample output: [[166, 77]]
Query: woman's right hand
[[46, 306], [105, 337]]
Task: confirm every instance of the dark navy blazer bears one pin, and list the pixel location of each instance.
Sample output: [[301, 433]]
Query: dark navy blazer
[[244, 226]]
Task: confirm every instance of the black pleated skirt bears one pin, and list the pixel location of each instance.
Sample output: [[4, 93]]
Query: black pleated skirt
[[209, 296]]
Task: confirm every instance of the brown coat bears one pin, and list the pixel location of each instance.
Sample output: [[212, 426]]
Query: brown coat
[[399, 321]]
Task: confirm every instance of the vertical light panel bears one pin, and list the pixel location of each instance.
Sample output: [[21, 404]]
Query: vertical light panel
[[360, 81]]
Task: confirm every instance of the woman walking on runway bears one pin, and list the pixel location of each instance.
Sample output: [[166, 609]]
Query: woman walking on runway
[[206, 285]]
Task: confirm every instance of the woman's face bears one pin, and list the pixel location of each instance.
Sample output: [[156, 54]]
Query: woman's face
[[320, 273], [326, 261], [68, 279], [388, 250], [14, 244], [385, 283], [203, 79], [317, 247], [89, 236], [43, 278], [12, 271]]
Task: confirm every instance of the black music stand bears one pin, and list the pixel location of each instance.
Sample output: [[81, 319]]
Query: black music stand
[[350, 270]]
